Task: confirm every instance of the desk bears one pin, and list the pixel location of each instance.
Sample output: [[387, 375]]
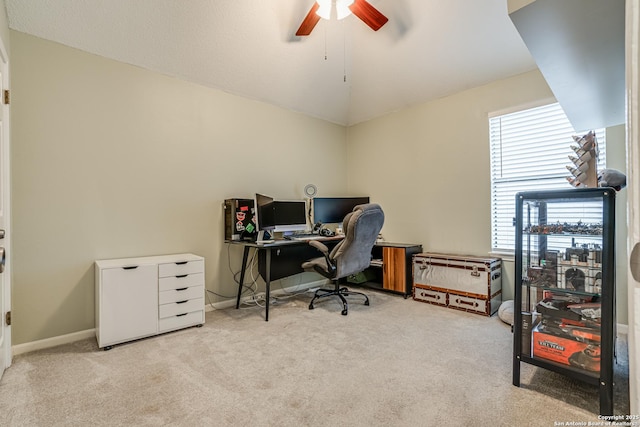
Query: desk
[[267, 249], [393, 275]]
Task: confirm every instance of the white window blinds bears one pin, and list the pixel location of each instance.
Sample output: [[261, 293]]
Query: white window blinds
[[530, 151]]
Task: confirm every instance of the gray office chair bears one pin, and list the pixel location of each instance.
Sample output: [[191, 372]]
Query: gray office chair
[[351, 255]]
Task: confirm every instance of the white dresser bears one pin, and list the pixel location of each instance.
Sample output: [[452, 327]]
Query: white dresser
[[141, 297]]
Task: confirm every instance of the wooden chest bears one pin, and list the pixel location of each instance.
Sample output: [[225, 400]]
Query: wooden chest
[[465, 283]]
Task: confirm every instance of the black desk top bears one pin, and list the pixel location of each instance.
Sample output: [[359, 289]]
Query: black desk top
[[286, 242], [396, 245], [281, 242]]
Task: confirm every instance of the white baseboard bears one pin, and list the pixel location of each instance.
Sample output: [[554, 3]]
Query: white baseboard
[[89, 333], [274, 293], [622, 329], [52, 342]]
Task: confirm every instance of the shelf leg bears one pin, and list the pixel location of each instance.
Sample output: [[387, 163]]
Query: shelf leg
[[606, 397]]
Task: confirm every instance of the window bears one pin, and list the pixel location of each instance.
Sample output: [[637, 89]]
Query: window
[[530, 150]]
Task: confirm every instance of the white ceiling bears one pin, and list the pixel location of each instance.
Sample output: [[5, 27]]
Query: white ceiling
[[428, 49]]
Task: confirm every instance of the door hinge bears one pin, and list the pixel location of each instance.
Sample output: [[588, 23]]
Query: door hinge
[[7, 97], [7, 318]]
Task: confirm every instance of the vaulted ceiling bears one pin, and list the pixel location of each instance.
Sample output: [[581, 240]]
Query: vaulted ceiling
[[343, 72]]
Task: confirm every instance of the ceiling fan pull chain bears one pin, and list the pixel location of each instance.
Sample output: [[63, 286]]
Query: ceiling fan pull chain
[[344, 53], [325, 42]]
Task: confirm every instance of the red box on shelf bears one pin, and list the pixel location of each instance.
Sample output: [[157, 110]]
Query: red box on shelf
[[566, 351]]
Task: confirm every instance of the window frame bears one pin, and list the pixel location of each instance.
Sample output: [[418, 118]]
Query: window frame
[[503, 197]]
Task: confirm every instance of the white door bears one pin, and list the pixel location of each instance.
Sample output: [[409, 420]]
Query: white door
[[5, 274]]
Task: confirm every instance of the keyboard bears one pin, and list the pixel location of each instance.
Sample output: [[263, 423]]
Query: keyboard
[[303, 236]]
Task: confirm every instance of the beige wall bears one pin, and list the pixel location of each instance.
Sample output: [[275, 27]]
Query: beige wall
[[616, 159], [431, 165], [513, 5], [110, 161], [428, 166]]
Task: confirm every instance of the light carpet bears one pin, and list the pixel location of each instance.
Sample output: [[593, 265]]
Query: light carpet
[[397, 362]]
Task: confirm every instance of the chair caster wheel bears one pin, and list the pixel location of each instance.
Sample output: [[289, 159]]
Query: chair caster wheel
[[366, 302], [311, 307], [344, 312]]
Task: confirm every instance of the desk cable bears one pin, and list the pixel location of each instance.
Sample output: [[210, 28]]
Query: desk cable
[[251, 287]]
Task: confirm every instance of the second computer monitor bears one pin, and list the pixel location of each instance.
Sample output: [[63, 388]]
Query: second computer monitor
[[330, 210], [283, 216]]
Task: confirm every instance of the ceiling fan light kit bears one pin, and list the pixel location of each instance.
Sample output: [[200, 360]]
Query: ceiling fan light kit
[[322, 9], [342, 8]]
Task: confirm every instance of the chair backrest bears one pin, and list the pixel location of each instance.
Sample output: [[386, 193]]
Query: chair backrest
[[361, 228]]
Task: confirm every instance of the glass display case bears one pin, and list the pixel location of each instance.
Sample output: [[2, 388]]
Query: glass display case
[[565, 286]]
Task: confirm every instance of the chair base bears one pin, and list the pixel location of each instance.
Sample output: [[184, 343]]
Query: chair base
[[340, 293]]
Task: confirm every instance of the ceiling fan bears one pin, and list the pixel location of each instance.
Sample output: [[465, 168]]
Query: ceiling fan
[[361, 8]]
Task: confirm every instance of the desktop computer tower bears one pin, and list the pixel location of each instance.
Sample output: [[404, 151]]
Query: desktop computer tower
[[239, 219]]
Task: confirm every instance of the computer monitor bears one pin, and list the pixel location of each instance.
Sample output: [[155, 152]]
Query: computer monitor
[[330, 210], [283, 216], [260, 201]]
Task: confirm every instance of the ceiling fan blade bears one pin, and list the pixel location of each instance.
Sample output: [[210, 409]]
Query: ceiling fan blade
[[309, 21], [368, 14]]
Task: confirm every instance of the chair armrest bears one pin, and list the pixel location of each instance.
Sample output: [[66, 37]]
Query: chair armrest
[[331, 267], [320, 246]]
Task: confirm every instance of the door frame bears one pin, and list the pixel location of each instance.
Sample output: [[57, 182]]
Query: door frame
[[632, 53], [5, 157]]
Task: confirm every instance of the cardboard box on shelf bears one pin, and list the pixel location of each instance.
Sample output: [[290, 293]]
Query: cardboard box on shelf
[[566, 351]]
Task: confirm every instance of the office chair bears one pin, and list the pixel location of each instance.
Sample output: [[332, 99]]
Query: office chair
[[350, 256]]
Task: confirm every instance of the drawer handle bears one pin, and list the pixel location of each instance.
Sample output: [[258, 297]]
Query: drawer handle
[[471, 303], [425, 294], [181, 276], [180, 315], [131, 267], [182, 302], [182, 289], [181, 262]]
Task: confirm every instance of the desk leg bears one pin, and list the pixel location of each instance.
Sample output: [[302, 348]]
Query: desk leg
[[245, 257], [268, 281]]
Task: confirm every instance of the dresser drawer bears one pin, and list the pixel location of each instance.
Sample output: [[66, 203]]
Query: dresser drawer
[[181, 294], [180, 282], [431, 296], [181, 307], [181, 321], [468, 303], [180, 268]]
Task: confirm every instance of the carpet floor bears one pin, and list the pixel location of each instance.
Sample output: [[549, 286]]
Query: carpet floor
[[397, 362]]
